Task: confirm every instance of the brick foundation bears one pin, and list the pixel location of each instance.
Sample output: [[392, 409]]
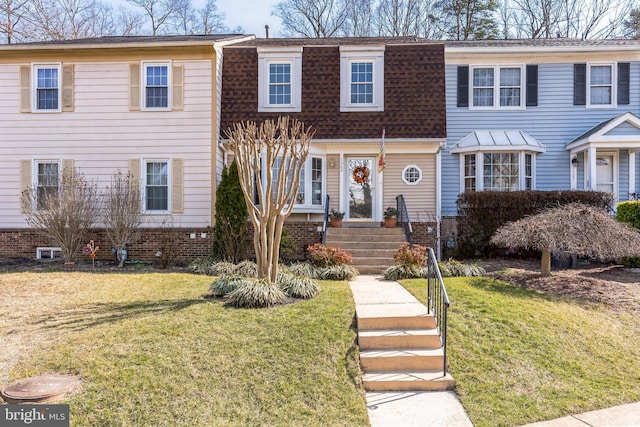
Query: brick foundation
[[23, 243]]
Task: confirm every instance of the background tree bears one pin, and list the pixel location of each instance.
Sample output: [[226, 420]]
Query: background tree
[[574, 228], [632, 24], [270, 158], [468, 19], [65, 215], [311, 18], [399, 17], [231, 229], [159, 12], [122, 212]]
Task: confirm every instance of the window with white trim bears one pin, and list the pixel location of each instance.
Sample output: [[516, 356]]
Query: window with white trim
[[47, 180], [361, 78], [411, 175], [156, 185], [155, 89], [280, 79], [497, 171], [47, 79], [497, 87], [600, 78], [311, 190]]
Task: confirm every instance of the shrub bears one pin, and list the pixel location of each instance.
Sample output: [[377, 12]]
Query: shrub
[[298, 286], [246, 269], [337, 272], [225, 284], [231, 231], [481, 213], [256, 294], [629, 212], [411, 256], [631, 261], [287, 246], [324, 256]]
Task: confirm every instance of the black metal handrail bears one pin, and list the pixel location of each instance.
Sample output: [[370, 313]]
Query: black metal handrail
[[437, 300], [403, 218], [325, 221]]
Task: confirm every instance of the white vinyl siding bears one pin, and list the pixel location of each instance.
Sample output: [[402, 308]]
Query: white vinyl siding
[[102, 134]]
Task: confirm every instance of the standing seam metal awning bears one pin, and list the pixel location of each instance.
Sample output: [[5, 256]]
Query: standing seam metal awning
[[497, 140]]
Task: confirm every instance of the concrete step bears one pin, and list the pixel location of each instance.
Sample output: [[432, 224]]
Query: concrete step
[[360, 252], [419, 380], [396, 241], [370, 270], [382, 262], [366, 247], [409, 315], [398, 339], [355, 231], [403, 360]]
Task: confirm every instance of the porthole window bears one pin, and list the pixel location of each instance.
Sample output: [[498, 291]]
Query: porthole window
[[411, 175]]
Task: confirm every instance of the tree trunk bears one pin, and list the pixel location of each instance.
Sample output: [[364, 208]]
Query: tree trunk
[[545, 263]]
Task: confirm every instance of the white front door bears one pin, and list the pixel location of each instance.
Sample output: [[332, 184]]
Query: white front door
[[605, 172], [360, 188]]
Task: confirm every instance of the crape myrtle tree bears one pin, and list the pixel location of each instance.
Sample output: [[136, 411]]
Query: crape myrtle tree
[[270, 158], [573, 228]]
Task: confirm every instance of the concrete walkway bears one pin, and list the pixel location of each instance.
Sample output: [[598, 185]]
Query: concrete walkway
[[403, 408], [442, 408], [618, 416]]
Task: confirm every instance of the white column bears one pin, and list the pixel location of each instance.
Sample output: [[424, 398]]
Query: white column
[[573, 168], [438, 199], [593, 176], [632, 171]]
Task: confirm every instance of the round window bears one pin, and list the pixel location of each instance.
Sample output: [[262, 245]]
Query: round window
[[411, 175]]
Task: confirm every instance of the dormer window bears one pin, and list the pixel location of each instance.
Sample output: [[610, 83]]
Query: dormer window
[[361, 78], [280, 79]]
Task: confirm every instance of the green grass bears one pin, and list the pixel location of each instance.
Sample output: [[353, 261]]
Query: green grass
[[519, 356], [152, 351]]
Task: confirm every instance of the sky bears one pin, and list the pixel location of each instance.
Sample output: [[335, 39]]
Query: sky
[[251, 15]]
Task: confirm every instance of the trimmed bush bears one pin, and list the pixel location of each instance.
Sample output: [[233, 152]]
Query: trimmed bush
[[201, 266], [256, 294], [629, 212], [298, 286], [325, 256], [481, 213], [225, 284]]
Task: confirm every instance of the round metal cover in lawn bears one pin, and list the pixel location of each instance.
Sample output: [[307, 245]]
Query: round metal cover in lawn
[[40, 388]]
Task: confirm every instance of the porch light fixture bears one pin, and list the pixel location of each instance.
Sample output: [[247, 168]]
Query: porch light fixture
[[332, 163], [574, 162]]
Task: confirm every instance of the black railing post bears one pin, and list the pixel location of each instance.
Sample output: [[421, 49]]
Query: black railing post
[[437, 301], [403, 218], [325, 220]]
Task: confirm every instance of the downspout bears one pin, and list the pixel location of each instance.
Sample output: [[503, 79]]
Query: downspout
[[438, 198], [225, 157]]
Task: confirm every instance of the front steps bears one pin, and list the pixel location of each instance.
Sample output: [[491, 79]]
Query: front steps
[[372, 248], [400, 347]]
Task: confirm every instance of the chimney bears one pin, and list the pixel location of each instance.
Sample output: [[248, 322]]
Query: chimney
[[266, 31]]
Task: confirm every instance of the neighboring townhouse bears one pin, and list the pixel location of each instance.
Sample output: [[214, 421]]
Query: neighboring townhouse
[[143, 105], [547, 114], [349, 90]]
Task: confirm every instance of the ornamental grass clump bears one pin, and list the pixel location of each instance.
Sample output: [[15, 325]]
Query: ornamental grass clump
[[453, 268], [400, 272], [337, 272], [221, 268], [201, 266], [225, 284], [304, 269], [246, 269], [256, 294], [298, 286]]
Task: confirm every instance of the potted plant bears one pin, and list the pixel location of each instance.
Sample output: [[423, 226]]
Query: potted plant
[[390, 217], [335, 217]]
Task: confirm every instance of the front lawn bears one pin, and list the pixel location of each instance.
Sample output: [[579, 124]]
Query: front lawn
[[152, 351], [519, 356]]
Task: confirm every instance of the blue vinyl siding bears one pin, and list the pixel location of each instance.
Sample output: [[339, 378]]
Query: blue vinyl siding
[[554, 122]]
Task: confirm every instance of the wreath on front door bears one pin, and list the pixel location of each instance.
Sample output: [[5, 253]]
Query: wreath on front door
[[360, 174]]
